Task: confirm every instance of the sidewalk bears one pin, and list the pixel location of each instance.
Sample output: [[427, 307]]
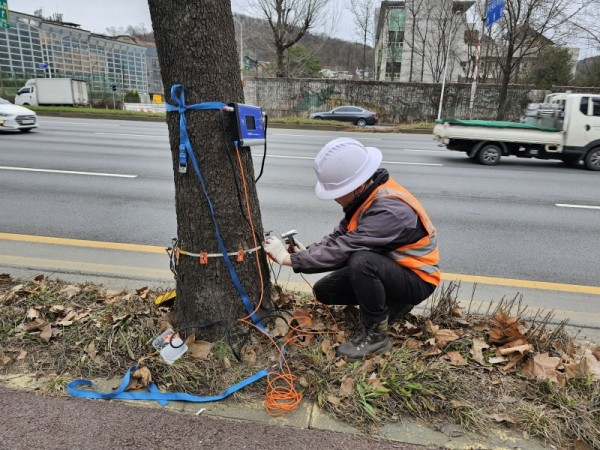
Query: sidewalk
[[307, 416]]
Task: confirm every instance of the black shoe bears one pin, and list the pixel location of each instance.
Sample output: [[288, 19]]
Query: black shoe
[[369, 339], [398, 312]]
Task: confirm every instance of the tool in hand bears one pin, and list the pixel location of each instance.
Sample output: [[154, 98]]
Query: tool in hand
[[288, 238]]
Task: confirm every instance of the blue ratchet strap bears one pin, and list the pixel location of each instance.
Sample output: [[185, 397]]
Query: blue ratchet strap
[[185, 147], [73, 388], [185, 150], [178, 98]]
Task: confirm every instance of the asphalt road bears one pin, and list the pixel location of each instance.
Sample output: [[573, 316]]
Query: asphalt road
[[111, 181], [36, 421]]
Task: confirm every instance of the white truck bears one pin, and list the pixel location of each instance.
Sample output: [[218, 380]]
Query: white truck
[[565, 127], [53, 91]]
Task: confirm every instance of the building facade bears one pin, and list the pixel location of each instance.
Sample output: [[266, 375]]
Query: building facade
[[38, 48], [414, 38]]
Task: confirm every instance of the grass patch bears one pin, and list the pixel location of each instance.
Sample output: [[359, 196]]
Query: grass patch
[[291, 121], [443, 367], [94, 111]]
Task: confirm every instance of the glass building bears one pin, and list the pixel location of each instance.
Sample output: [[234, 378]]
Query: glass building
[[39, 48]]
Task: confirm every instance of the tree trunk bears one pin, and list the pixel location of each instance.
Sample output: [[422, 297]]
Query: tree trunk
[[196, 48], [412, 41], [364, 64], [281, 71], [504, 86]]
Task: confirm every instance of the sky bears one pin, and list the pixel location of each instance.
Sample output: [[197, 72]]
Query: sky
[[97, 16]]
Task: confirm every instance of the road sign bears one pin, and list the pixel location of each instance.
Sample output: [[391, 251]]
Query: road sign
[[43, 66], [495, 11], [4, 22]]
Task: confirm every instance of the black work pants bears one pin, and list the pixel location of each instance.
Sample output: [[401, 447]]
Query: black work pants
[[373, 282]]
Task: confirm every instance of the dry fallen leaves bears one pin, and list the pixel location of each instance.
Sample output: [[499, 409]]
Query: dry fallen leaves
[[542, 367], [477, 350], [70, 291], [328, 349], [40, 325], [200, 350], [455, 358], [346, 387], [503, 417], [508, 329], [140, 378], [375, 382], [587, 364]]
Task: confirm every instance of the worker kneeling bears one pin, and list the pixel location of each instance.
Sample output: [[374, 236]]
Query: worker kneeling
[[383, 255]]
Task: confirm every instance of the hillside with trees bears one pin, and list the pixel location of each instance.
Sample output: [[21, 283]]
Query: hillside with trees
[[310, 54]]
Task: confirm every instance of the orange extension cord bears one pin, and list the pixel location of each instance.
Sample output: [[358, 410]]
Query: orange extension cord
[[281, 394]]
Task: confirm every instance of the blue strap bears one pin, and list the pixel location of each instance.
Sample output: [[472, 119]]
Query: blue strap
[[185, 149], [178, 97], [73, 388]]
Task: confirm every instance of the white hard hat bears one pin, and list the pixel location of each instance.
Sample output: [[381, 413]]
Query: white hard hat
[[342, 165]]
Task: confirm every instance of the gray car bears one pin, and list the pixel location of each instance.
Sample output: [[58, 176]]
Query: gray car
[[358, 116]]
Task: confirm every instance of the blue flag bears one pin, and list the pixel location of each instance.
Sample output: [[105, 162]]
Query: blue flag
[[495, 11]]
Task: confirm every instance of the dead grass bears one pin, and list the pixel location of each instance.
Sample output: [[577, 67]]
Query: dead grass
[[447, 365]]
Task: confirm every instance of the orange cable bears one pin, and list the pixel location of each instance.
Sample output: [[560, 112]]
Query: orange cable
[[281, 395]]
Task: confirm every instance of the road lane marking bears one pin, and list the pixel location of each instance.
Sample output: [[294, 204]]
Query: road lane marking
[[319, 136], [311, 158], [564, 205], [133, 135], [512, 282], [411, 163], [81, 243], [541, 285], [79, 123], [69, 172], [424, 151], [70, 123], [92, 269], [285, 157]]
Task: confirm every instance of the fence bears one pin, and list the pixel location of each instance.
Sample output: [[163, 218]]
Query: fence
[[145, 107], [394, 102]]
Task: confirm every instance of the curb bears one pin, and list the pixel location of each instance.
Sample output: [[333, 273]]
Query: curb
[[308, 415]]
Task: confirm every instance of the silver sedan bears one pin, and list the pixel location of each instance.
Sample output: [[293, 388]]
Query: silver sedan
[[13, 117]]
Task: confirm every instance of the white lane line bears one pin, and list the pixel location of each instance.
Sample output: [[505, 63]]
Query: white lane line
[[284, 157], [134, 135], [318, 136], [79, 123], [411, 163], [310, 158], [70, 123], [69, 172], [564, 205], [425, 151]]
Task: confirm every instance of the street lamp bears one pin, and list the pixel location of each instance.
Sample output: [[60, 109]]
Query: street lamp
[[450, 36], [241, 48]]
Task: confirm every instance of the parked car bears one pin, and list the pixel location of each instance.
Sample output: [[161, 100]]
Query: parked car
[[354, 114], [13, 117]]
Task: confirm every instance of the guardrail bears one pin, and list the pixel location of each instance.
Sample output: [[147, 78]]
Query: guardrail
[[145, 107]]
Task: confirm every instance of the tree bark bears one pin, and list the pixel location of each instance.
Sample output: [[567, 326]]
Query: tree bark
[[506, 72], [196, 47]]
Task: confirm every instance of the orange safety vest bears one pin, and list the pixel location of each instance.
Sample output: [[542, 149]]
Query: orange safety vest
[[423, 256]]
